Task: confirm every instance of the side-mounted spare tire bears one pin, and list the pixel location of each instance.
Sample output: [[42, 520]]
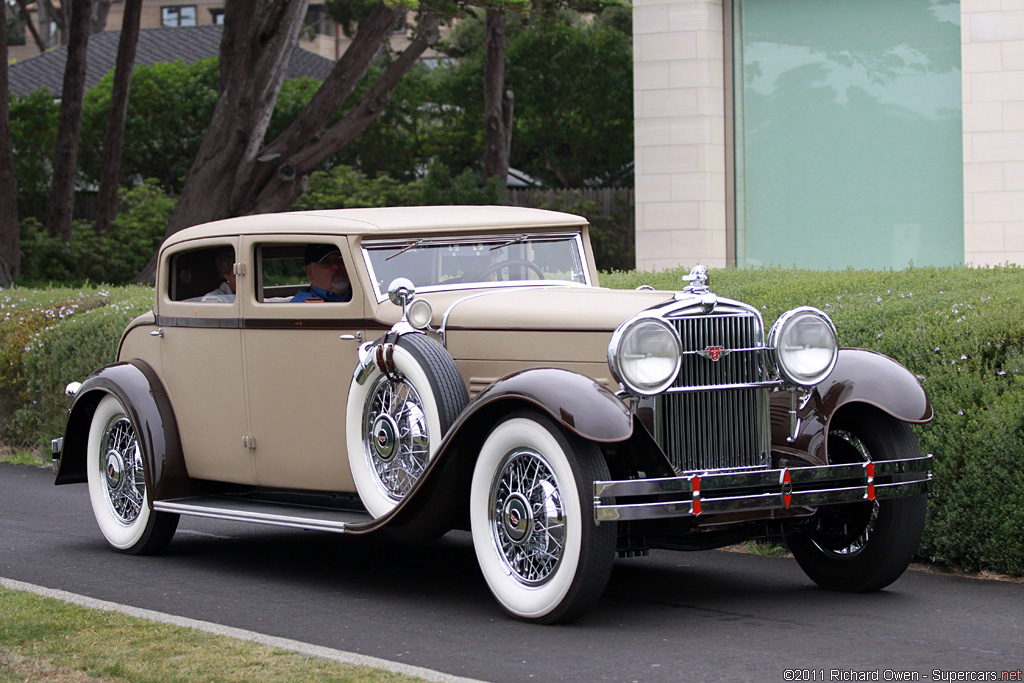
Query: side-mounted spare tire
[[115, 469], [396, 420]]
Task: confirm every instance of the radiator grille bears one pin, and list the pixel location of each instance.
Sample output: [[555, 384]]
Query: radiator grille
[[717, 428]]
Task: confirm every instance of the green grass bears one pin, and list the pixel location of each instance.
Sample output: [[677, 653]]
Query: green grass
[[44, 639]]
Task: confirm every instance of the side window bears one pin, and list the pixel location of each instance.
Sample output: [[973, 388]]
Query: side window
[[203, 275], [310, 273]]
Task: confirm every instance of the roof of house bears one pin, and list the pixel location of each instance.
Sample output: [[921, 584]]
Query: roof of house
[[155, 45]]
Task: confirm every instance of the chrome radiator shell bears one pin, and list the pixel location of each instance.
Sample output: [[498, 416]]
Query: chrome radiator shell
[[715, 416]]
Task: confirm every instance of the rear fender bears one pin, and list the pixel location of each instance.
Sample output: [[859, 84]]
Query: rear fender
[[137, 387], [860, 377]]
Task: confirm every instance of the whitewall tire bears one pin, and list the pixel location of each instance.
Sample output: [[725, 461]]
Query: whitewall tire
[[532, 518], [393, 427], [117, 485]]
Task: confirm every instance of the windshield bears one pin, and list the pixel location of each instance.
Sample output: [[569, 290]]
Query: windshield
[[458, 263]]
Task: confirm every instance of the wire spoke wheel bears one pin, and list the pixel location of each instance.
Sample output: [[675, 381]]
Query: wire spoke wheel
[[397, 441], [531, 513], [527, 517], [116, 472], [395, 421], [121, 470]]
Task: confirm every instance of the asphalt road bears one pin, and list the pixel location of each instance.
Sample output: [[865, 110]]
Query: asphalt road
[[668, 617]]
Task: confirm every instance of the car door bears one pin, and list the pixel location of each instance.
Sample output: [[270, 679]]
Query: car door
[[299, 359], [201, 358]]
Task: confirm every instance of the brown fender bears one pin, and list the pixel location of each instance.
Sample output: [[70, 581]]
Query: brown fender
[[579, 403], [141, 393], [860, 376]]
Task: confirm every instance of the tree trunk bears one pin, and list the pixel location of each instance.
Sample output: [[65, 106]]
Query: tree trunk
[[497, 101], [27, 18], [61, 17], [10, 255], [278, 191], [100, 10], [65, 162], [234, 173], [113, 140]]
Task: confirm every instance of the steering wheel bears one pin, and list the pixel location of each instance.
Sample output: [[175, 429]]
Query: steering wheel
[[508, 264]]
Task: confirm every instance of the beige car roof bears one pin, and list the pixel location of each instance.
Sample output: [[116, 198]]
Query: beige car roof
[[386, 221]]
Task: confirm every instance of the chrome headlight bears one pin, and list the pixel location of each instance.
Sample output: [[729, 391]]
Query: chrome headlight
[[644, 355], [803, 345]]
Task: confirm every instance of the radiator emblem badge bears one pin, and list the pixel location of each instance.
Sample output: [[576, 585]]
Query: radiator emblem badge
[[714, 353]]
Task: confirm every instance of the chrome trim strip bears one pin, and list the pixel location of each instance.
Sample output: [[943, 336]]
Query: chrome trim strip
[[326, 520], [715, 492], [771, 384]]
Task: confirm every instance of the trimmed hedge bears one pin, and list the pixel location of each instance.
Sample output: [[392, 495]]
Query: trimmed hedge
[[959, 330]]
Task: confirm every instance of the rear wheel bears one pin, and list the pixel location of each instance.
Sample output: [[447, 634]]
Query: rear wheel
[[863, 547], [117, 484], [532, 518]]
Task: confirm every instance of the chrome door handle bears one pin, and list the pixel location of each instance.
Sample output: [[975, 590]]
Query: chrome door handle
[[358, 336]]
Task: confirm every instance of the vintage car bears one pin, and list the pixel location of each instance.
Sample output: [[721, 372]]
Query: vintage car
[[462, 369]]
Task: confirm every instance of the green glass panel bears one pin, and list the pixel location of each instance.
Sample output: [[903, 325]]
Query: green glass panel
[[848, 133]]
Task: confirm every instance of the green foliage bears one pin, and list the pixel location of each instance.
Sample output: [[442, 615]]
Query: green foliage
[[115, 257], [49, 338], [169, 109], [343, 187], [34, 138], [572, 80], [573, 85]]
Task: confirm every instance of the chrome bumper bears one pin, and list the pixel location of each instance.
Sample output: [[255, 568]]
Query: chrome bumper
[[750, 490]]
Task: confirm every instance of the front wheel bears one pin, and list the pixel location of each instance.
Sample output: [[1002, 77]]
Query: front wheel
[[117, 484], [863, 547], [532, 518]]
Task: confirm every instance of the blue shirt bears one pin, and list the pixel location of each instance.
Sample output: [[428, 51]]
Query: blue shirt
[[312, 292]]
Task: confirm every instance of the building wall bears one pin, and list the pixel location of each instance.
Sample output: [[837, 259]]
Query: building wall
[[993, 90], [679, 106], [681, 137]]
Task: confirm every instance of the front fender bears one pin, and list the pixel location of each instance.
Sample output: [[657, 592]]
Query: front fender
[[578, 402], [862, 377], [139, 389]]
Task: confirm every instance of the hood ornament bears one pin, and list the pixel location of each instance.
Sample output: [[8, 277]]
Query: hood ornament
[[698, 279]]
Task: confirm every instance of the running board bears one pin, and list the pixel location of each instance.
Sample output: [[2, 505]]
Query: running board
[[261, 512]]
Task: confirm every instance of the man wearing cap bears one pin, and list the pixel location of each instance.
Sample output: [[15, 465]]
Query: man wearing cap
[[328, 279]]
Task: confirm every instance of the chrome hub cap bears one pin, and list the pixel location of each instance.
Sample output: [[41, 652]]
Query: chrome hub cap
[[396, 441], [518, 519], [527, 517], [115, 470], [121, 469], [385, 444]]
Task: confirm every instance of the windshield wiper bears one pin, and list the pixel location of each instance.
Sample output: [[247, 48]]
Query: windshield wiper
[[516, 240], [411, 246]]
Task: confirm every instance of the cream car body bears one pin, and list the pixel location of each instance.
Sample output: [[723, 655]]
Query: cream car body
[[558, 421]]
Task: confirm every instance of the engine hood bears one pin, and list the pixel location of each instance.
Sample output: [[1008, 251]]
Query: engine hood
[[550, 308]]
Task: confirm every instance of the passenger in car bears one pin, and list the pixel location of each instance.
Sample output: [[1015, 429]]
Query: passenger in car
[[225, 263], [328, 279]]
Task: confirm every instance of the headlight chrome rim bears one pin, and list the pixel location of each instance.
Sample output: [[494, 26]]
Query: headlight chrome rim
[[624, 370], [778, 342]]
